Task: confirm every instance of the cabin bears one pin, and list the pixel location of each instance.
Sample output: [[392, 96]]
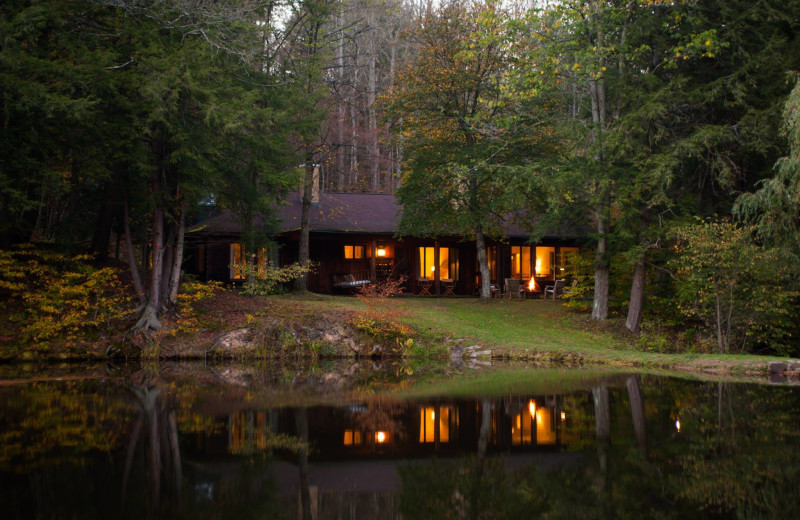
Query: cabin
[[354, 242]]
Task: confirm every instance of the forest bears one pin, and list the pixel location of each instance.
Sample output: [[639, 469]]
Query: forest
[[667, 133]]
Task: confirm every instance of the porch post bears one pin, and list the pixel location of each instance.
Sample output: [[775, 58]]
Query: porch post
[[372, 260], [436, 283]]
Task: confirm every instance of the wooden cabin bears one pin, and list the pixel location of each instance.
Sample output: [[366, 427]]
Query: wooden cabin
[[353, 241]]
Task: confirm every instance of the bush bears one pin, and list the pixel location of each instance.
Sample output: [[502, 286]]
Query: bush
[[743, 293], [49, 295]]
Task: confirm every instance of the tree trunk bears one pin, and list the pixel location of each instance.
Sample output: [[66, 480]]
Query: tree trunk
[[634, 385], [301, 284], [602, 422], [601, 281], [137, 279], [175, 280], [301, 421], [374, 149], [483, 263], [637, 297]]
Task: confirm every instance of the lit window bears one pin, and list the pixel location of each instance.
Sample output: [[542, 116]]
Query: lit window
[[354, 252], [521, 262], [238, 261], [546, 262]]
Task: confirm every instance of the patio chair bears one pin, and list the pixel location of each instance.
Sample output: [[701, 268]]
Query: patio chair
[[513, 288], [449, 286], [554, 289], [425, 286]]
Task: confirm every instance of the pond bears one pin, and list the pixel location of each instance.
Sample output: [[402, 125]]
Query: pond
[[385, 441]]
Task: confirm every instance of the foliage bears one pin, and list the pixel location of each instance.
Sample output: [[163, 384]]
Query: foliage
[[775, 207], [191, 293], [51, 295], [263, 281], [743, 292], [379, 321]]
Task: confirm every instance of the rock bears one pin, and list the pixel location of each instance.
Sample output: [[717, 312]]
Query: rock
[[794, 366], [377, 350], [234, 340], [776, 367], [456, 353]]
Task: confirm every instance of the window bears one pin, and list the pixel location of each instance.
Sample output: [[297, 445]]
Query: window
[[427, 268], [354, 252], [238, 261], [521, 262], [448, 263], [546, 262]]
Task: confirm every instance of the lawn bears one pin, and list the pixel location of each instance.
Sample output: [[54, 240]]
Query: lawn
[[531, 330]]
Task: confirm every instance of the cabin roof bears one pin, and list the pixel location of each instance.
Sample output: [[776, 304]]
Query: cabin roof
[[343, 213], [368, 213]]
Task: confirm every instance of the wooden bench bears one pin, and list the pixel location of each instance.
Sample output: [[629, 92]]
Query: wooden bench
[[349, 281]]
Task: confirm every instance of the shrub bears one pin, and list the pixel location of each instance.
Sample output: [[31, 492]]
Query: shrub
[[742, 292], [50, 295]]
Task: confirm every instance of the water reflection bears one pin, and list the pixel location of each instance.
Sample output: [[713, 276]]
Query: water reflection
[[177, 444]]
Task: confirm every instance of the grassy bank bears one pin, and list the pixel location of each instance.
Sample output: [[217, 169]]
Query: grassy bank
[[531, 330]]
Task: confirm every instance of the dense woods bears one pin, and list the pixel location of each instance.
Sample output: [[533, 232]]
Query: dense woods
[[666, 132]]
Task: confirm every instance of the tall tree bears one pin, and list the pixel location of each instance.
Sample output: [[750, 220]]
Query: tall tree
[[458, 126]]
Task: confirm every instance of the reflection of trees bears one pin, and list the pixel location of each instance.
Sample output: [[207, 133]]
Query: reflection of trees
[[157, 419]]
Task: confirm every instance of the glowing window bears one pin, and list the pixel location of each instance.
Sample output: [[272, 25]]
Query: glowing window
[[238, 261], [354, 252]]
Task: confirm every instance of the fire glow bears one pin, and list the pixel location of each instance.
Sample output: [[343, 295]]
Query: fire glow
[[532, 285]]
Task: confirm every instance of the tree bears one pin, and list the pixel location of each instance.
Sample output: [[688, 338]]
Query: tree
[[775, 207], [458, 125], [739, 290]]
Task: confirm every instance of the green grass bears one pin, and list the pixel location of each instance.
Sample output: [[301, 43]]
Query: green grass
[[536, 330]]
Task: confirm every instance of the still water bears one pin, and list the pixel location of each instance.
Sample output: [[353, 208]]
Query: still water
[[361, 440]]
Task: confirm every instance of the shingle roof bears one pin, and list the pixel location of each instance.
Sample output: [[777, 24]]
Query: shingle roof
[[335, 213], [344, 212]]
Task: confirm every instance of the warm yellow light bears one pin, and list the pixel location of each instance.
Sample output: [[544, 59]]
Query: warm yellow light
[[563, 416], [433, 416], [380, 437], [678, 425], [433, 268], [381, 251], [532, 407]]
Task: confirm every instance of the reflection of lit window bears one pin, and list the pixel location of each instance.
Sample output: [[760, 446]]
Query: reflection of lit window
[[352, 438], [545, 426], [247, 432], [445, 417]]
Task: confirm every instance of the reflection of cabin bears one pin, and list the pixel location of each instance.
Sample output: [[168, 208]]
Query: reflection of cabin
[[403, 429], [353, 241]]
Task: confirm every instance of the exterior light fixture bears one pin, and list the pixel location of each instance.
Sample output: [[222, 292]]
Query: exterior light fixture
[[381, 251], [380, 437]]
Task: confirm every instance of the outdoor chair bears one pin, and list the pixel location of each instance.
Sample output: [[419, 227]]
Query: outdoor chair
[[513, 288], [424, 286], [449, 286], [554, 289]]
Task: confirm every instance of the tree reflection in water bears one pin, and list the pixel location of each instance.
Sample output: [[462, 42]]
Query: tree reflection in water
[[621, 446]]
